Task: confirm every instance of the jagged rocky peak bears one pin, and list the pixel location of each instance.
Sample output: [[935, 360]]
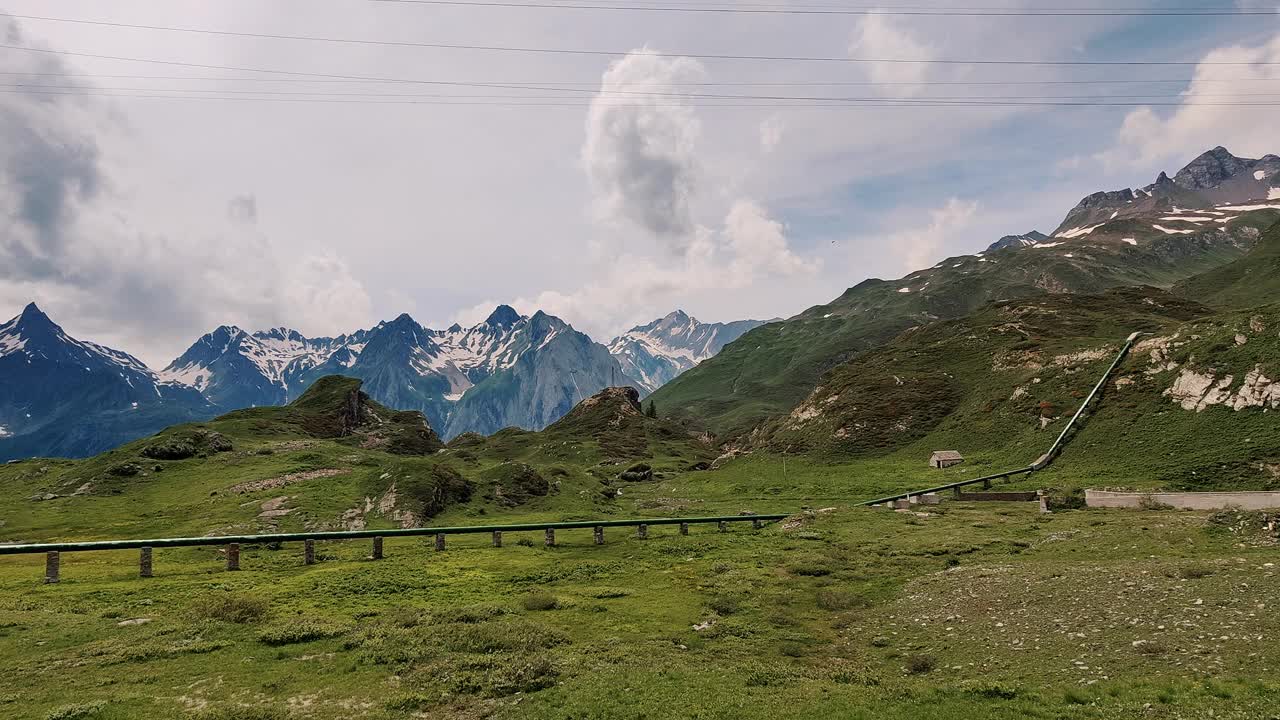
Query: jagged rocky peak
[[504, 316], [1214, 178], [31, 323], [1211, 169]]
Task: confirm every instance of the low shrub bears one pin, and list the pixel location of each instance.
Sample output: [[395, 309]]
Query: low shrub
[[298, 631], [540, 601], [920, 664], [79, 711], [836, 599], [233, 608], [990, 689], [725, 604]]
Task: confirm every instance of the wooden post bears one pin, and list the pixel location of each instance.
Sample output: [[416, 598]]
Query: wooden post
[[439, 542], [233, 556], [684, 528], [599, 535], [642, 531], [497, 538], [724, 526], [377, 548], [51, 566], [144, 562], [308, 552], [551, 537]]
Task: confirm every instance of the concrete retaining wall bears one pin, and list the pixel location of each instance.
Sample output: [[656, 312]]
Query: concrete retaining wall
[[1185, 501]]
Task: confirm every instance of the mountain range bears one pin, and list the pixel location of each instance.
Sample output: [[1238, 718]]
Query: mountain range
[[62, 396], [510, 370]]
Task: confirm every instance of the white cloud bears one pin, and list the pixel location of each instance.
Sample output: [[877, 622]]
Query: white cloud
[[918, 247], [1202, 121], [68, 242], [639, 149], [880, 37], [749, 248]]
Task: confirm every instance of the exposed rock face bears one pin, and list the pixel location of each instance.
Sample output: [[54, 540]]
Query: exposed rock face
[[1216, 166], [1199, 390]]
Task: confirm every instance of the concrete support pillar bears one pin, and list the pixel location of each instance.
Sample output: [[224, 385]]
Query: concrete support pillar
[[144, 562], [1044, 501], [497, 538], [986, 484], [955, 492], [52, 564], [439, 542], [233, 556], [642, 531], [757, 524], [551, 537], [724, 526], [599, 534], [308, 552], [684, 528], [377, 548]]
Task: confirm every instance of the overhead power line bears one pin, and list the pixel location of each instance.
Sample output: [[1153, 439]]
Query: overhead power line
[[709, 83], [637, 95], [463, 100], [615, 53], [866, 10]]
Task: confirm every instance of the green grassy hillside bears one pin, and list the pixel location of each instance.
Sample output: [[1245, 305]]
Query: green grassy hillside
[[769, 370], [1251, 280]]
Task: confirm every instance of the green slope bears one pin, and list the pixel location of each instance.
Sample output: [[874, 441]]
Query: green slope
[[1251, 280], [770, 369]]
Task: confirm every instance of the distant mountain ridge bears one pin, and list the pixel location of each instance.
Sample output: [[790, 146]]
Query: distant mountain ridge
[[656, 353], [62, 396], [408, 366]]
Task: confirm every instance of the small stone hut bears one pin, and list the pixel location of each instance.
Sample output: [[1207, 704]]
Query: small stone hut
[[945, 458]]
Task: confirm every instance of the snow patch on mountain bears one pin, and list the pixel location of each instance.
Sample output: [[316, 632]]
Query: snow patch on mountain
[[655, 353]]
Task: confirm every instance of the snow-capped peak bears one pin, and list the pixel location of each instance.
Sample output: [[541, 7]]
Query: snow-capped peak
[[654, 353]]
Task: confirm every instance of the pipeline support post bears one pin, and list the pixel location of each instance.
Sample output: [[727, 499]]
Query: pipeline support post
[[377, 548], [144, 562], [308, 552], [684, 528], [439, 542], [724, 526], [497, 538], [598, 534], [550, 537], [233, 556], [642, 531], [52, 566]]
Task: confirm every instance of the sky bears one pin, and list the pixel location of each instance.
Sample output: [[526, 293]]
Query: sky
[[155, 184]]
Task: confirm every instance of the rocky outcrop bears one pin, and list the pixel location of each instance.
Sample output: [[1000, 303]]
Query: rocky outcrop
[[1197, 391]]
